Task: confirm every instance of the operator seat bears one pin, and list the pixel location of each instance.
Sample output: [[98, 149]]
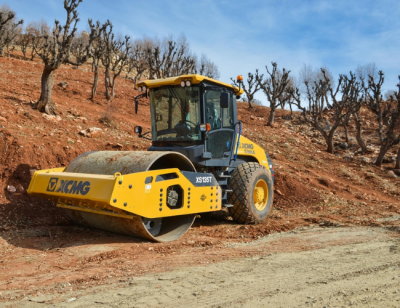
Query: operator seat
[[182, 129]]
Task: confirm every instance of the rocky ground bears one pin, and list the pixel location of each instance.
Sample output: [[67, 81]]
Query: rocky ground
[[42, 253]]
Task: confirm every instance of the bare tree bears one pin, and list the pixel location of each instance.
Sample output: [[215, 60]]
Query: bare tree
[[339, 107], [308, 75], [37, 31], [387, 112], [79, 46], [184, 61], [136, 61], [273, 87], [207, 68], [55, 50], [167, 57], [114, 58], [97, 51], [24, 41], [364, 71], [389, 94], [250, 89], [355, 109], [9, 28]]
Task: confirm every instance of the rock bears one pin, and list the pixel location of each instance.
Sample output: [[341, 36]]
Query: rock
[[92, 132], [347, 157], [32, 171], [41, 299], [388, 160], [63, 84], [11, 189], [118, 145], [20, 110], [20, 188], [3, 119], [252, 117], [365, 160], [397, 171], [391, 174], [327, 126], [343, 146], [81, 119], [51, 118], [75, 112]]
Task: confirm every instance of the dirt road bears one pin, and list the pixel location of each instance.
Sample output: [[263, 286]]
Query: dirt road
[[335, 267]]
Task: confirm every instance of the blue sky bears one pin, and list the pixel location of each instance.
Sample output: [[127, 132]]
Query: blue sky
[[240, 36]]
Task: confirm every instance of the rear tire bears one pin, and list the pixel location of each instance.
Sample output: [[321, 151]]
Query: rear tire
[[252, 193]]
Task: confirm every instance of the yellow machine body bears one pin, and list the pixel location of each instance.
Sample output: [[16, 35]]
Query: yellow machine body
[[176, 80], [248, 148], [123, 195]]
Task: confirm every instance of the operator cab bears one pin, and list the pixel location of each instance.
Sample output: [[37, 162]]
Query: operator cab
[[196, 117]]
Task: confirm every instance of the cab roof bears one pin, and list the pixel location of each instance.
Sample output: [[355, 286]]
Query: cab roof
[[176, 80]]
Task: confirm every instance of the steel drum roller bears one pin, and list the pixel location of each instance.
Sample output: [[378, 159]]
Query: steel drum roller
[[127, 162]]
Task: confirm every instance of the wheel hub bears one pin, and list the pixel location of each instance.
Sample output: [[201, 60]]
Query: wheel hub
[[260, 195]]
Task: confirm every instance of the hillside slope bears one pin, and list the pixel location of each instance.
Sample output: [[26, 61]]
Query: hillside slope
[[312, 186]]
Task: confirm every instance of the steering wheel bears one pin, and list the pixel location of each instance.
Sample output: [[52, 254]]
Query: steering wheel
[[192, 125], [190, 122]]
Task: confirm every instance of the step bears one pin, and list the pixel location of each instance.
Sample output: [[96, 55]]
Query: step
[[225, 188], [226, 203]]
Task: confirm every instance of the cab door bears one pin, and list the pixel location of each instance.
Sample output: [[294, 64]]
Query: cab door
[[221, 136]]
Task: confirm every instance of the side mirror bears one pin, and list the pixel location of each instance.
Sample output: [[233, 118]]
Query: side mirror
[[224, 100], [138, 130]]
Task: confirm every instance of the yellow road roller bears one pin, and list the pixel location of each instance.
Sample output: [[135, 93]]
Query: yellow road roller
[[198, 162]]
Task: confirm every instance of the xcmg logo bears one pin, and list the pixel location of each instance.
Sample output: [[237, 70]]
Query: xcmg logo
[[68, 186]]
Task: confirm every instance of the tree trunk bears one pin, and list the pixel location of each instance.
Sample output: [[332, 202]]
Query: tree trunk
[[45, 103], [397, 160], [107, 83], [113, 88], [32, 53], [8, 51], [381, 155], [250, 99], [321, 109], [346, 133], [271, 118], [359, 138], [95, 81], [329, 143]]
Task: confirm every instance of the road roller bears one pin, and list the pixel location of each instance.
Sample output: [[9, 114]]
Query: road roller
[[198, 162]]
